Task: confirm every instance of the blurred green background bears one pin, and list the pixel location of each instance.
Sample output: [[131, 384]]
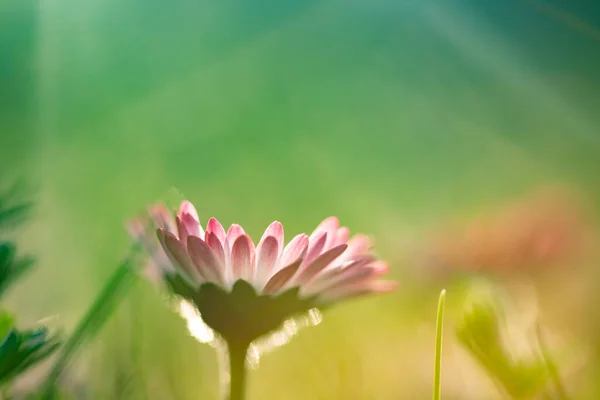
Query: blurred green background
[[392, 114]]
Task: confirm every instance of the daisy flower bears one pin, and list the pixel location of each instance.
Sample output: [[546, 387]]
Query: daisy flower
[[244, 291]]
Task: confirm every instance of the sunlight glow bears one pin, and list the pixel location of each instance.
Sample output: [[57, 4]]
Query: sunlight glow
[[198, 329], [204, 334], [290, 328]]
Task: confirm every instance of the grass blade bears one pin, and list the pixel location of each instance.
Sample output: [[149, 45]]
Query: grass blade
[[437, 373], [561, 393], [94, 318]]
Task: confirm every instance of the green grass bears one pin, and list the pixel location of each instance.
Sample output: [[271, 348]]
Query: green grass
[[439, 329]]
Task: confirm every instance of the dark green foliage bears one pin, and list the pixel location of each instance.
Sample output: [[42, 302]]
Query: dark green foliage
[[12, 211], [11, 267], [20, 350]]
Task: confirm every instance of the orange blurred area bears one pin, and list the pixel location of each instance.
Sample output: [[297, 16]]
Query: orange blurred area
[[548, 227]]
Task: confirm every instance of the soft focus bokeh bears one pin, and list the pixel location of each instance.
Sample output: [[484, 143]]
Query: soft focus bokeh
[[405, 118]]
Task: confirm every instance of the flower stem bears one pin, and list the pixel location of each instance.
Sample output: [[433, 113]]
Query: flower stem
[[237, 370], [438, 347]]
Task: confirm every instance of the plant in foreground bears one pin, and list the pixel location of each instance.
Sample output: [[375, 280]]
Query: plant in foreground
[[244, 292], [19, 349], [520, 377]]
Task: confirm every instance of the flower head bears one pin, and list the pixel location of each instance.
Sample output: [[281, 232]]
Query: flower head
[[244, 291]]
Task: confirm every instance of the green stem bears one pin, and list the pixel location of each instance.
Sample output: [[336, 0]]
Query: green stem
[[437, 386], [237, 370], [551, 366], [93, 319]]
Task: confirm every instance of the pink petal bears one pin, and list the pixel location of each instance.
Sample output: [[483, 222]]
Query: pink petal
[[330, 226], [332, 275], [160, 234], [188, 222], [234, 232], [162, 218], [216, 246], [281, 278], [275, 230], [193, 225], [352, 275], [320, 263], [267, 253], [213, 226], [341, 236], [380, 268], [345, 292], [296, 249], [205, 260], [182, 232], [163, 252], [358, 246], [315, 247], [178, 252], [242, 258], [188, 208]]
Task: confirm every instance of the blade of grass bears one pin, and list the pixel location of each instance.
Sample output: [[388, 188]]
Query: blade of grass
[[94, 318], [561, 393], [437, 372]]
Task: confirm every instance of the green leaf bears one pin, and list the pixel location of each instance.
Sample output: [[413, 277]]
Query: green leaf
[[41, 352], [13, 211], [6, 323], [11, 269], [7, 255], [13, 216], [9, 353], [21, 350]]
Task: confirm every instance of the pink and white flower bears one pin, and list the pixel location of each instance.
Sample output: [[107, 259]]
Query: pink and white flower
[[321, 268], [327, 264]]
